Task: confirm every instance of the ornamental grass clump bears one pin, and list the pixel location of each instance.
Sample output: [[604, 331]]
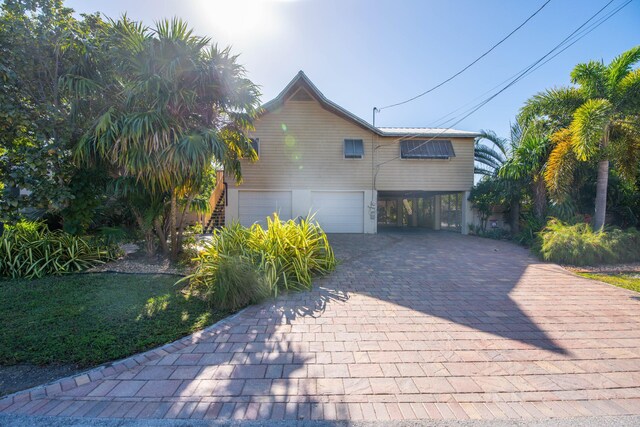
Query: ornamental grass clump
[[579, 244], [243, 265], [30, 250]]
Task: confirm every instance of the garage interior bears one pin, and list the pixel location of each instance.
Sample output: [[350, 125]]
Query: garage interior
[[420, 209]]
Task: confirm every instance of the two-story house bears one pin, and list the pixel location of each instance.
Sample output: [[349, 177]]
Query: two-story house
[[316, 157]]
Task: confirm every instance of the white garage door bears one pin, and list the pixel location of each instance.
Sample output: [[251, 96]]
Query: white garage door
[[339, 211], [256, 206]]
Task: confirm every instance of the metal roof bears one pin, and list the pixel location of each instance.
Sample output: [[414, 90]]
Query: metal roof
[[301, 80], [428, 132]]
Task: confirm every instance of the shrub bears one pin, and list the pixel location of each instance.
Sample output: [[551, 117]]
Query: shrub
[[284, 256], [529, 229], [31, 250], [578, 244]]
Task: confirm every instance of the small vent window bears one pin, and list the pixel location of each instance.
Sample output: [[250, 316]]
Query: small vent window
[[426, 149], [353, 149]]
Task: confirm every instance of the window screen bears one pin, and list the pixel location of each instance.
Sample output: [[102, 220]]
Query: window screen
[[426, 149], [353, 149]]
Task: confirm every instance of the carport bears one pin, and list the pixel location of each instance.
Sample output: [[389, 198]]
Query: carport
[[423, 209]]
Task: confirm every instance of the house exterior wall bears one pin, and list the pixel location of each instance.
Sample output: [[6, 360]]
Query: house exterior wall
[[301, 150], [301, 147]]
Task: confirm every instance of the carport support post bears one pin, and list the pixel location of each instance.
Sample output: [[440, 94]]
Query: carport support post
[[466, 212], [436, 212]]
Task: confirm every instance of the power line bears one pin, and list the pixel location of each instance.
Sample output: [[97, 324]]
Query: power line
[[472, 63], [518, 77], [440, 122]]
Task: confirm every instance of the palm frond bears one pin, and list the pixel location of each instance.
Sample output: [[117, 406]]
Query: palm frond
[[589, 127], [621, 65], [554, 105], [592, 78], [558, 174]]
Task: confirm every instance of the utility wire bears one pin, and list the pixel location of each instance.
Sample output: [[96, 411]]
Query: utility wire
[[440, 122], [515, 80], [471, 64]]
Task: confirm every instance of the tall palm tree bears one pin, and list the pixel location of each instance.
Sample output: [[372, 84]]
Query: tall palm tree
[[598, 119], [176, 107]]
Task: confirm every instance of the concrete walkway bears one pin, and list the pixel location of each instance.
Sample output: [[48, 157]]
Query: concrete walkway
[[410, 326]]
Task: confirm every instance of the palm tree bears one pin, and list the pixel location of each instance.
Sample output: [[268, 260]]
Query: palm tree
[[527, 162], [598, 119], [176, 107], [489, 152]]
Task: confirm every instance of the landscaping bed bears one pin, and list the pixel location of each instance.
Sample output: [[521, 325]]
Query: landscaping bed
[[66, 323]]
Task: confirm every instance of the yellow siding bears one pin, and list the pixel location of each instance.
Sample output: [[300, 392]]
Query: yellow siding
[[301, 147]]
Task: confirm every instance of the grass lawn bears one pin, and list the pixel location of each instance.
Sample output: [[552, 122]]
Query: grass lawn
[[88, 319], [627, 281]]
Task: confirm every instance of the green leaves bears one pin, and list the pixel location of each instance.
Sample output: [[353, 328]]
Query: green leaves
[[30, 250], [590, 126], [243, 265]]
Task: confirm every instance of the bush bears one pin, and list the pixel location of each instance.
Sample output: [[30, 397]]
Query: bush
[[31, 250], [579, 245], [529, 229], [493, 233], [244, 265]]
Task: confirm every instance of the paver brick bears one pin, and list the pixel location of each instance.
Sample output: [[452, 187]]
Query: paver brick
[[410, 326]]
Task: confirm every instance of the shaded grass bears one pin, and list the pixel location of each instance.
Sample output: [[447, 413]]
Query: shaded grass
[[88, 319], [622, 280]]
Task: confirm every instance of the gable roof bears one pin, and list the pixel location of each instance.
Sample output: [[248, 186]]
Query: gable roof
[[302, 81]]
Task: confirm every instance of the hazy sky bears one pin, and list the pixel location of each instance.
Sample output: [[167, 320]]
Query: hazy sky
[[363, 54]]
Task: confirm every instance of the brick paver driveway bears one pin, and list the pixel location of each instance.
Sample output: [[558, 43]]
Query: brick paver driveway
[[410, 326]]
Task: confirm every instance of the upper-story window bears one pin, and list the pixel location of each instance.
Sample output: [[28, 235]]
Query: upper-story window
[[426, 149], [353, 149], [255, 144]]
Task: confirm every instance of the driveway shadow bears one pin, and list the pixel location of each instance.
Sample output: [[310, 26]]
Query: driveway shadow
[[463, 279]]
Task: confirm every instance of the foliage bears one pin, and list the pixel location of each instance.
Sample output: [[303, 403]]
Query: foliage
[[175, 106], [622, 280], [528, 235], [284, 256], [579, 244], [495, 234], [485, 195], [490, 153], [30, 250], [595, 121], [40, 42], [235, 282], [88, 319]]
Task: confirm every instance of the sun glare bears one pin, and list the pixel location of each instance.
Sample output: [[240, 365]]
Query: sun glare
[[242, 20]]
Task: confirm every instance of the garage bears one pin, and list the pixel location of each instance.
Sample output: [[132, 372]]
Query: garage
[[256, 206], [339, 211]]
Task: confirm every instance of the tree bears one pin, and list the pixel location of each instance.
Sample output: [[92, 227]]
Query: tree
[[489, 152], [175, 109], [485, 195], [526, 164], [40, 41], [596, 120]]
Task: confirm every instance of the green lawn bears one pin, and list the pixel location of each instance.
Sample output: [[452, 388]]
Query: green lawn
[[88, 319], [622, 280]]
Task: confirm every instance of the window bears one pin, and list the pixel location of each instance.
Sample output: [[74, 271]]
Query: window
[[353, 149], [426, 149], [255, 144]]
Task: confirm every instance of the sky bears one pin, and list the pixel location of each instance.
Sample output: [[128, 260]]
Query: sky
[[372, 53]]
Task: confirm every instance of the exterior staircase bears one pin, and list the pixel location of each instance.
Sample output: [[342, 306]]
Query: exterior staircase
[[216, 220]]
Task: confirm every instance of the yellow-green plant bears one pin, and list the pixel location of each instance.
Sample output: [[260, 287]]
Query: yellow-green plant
[[31, 250], [579, 244], [286, 255]]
